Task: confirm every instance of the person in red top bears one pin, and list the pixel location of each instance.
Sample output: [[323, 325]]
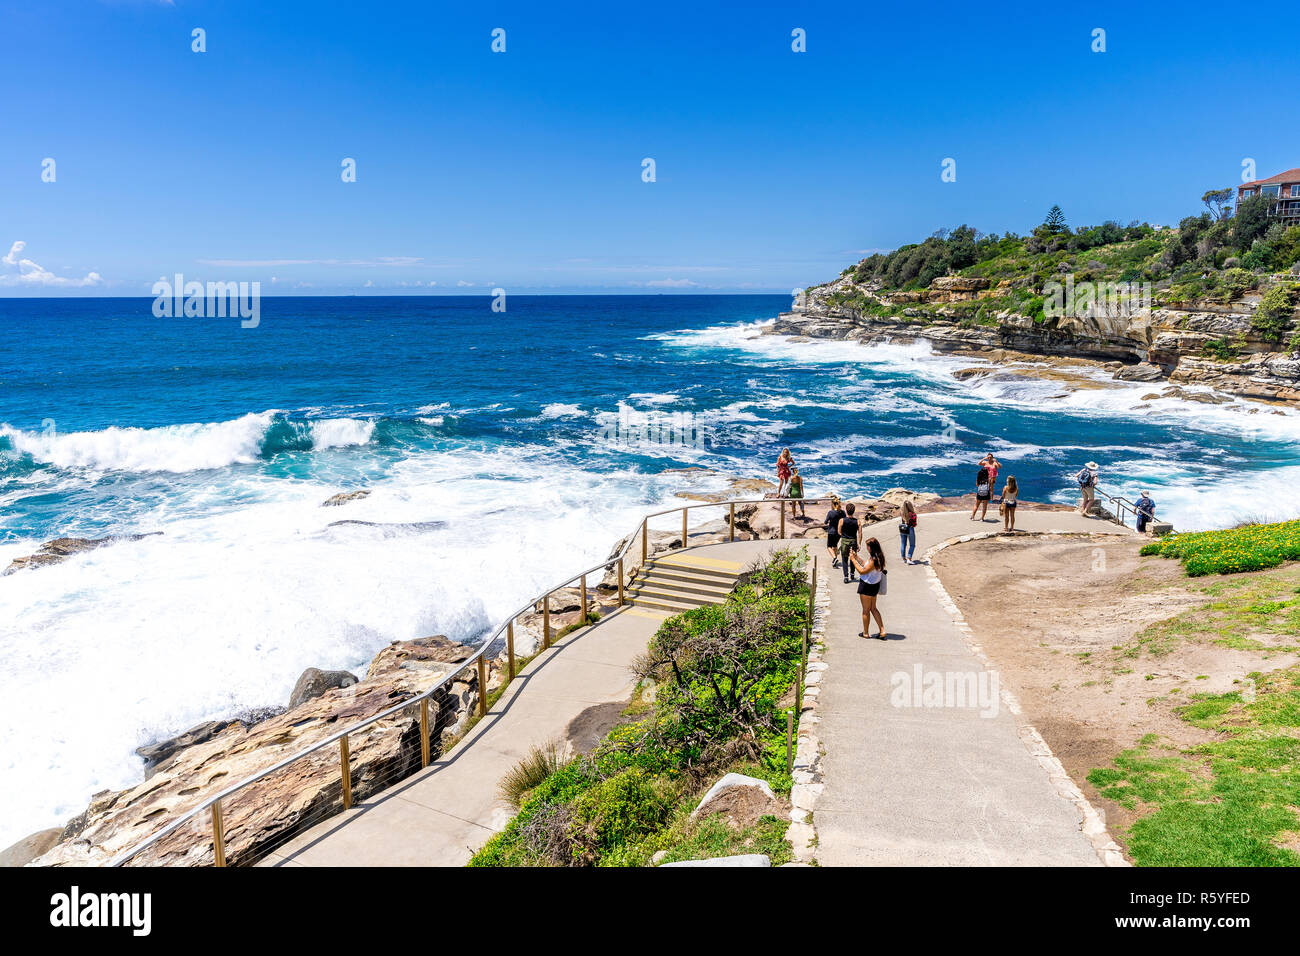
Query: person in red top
[[784, 464], [993, 465]]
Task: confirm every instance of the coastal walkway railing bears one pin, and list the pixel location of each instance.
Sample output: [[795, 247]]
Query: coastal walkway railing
[[635, 554]]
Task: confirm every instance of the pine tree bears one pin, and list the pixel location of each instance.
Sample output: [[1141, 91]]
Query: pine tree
[[1055, 221]]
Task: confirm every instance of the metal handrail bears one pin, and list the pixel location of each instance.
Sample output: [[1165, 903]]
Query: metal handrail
[[213, 803], [1122, 505]]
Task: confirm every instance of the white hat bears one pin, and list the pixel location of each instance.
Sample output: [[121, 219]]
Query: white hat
[[1092, 466]]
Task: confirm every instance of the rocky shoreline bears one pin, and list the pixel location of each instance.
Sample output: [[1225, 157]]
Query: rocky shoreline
[[1158, 345], [181, 771]]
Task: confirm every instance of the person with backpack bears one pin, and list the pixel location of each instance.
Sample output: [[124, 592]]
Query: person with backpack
[[871, 584], [907, 531], [983, 492], [1087, 480], [832, 525], [991, 462], [850, 531], [1146, 511]]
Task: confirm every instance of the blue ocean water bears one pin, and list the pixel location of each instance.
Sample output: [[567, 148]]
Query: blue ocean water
[[501, 448]]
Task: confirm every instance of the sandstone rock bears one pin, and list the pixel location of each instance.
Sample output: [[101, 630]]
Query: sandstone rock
[[1142, 372], [314, 682], [156, 753], [741, 799], [343, 497], [60, 549], [309, 789], [29, 847]]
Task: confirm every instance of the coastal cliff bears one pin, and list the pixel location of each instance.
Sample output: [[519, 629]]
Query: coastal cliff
[[961, 315]]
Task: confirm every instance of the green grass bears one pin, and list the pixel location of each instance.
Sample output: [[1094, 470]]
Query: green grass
[[1242, 610], [1250, 548], [1229, 802]]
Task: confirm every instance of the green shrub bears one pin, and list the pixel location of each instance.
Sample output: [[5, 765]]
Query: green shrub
[[1222, 349], [1272, 318]]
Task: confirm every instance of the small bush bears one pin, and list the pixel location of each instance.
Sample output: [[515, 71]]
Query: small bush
[[1222, 349], [1272, 318], [529, 773]]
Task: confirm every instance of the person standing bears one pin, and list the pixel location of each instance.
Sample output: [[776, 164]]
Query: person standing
[[991, 462], [907, 531], [870, 584], [1010, 494], [1146, 511], [1087, 480], [850, 531], [784, 465], [795, 491], [983, 492], [833, 518]]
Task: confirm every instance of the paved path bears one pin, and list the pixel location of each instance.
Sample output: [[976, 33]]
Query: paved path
[[440, 816], [930, 785]]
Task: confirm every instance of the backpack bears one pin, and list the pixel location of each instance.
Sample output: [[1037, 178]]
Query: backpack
[[1084, 478]]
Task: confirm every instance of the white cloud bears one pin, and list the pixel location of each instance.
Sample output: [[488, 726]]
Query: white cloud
[[461, 283], [24, 272], [669, 284]]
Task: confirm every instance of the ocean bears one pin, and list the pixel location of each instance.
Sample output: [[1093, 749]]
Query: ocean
[[502, 450]]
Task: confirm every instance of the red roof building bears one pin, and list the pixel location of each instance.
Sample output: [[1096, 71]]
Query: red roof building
[[1283, 189]]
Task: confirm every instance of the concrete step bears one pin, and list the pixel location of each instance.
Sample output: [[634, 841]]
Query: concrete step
[[713, 587], [667, 604], [679, 597], [699, 567]]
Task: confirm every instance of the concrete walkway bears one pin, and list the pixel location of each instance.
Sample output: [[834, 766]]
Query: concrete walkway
[[442, 815], [930, 785]]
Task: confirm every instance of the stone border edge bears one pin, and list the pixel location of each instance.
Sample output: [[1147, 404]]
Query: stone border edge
[[1092, 823], [808, 785]]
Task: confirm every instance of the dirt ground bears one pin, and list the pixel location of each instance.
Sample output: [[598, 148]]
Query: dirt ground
[[1059, 618]]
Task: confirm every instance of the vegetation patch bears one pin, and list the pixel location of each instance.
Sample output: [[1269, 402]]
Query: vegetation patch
[[1256, 612], [724, 677], [1229, 802], [1252, 547]]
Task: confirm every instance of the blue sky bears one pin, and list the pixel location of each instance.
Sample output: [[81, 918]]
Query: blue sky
[[523, 169]]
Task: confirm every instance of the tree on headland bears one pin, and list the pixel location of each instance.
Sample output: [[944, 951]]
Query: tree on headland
[[1219, 202], [1251, 221], [1054, 224]]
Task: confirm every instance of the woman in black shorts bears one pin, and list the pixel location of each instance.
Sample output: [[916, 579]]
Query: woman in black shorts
[[983, 492], [872, 574]]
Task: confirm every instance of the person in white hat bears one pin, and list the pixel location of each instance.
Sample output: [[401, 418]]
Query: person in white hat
[[1087, 480], [1146, 511]]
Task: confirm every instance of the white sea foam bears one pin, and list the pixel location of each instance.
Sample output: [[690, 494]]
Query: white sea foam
[[221, 613], [174, 448], [341, 433], [561, 410]]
